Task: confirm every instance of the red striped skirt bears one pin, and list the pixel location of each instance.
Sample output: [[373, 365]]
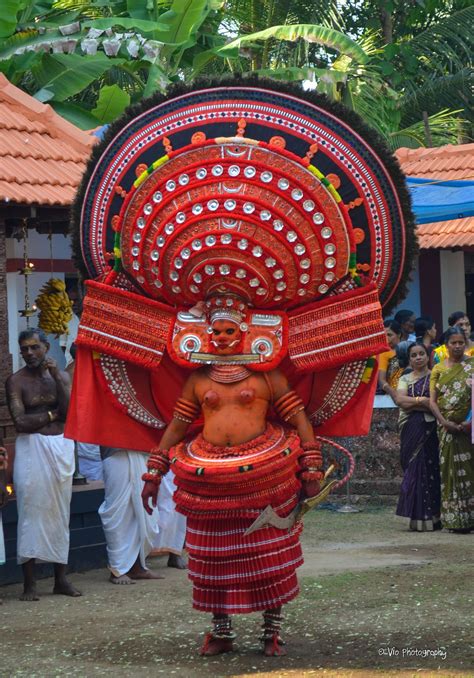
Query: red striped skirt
[[232, 573]]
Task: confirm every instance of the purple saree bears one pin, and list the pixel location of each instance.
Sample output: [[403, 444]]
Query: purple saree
[[420, 493]]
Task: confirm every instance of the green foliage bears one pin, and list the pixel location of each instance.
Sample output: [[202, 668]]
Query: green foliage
[[111, 103], [306, 32], [76, 114], [392, 61], [62, 76], [8, 20]]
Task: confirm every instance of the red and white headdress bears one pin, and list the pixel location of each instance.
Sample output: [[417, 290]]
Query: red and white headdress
[[244, 193]]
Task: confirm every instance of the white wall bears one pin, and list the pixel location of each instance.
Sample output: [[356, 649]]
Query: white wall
[[38, 248], [452, 283], [412, 301]]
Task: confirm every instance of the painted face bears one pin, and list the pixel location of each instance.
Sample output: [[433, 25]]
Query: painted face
[[392, 338], [456, 346], [33, 351], [226, 336], [418, 358], [465, 324]]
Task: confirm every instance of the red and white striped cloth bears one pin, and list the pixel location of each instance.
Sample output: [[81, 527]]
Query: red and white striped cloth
[[233, 573]]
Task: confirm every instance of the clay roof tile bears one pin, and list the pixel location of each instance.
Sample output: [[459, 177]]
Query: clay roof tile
[[42, 155]]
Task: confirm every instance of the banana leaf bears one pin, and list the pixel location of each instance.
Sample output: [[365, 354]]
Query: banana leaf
[[141, 25], [182, 21], [75, 113], [307, 32], [111, 103], [68, 74], [8, 17], [28, 38]]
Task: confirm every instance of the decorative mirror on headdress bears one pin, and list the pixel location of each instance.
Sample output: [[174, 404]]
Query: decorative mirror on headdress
[[250, 193]]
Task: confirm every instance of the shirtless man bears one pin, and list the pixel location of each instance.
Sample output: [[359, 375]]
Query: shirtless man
[[38, 398]]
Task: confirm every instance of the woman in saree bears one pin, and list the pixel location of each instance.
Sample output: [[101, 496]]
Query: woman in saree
[[456, 319], [450, 398], [389, 367], [420, 490]]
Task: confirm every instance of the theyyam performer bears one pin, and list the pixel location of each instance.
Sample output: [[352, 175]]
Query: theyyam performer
[[240, 240]]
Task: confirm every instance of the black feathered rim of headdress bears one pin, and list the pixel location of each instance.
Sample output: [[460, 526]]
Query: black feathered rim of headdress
[[404, 243]]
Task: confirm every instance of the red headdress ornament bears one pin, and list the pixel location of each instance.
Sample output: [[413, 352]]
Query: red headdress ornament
[[249, 201]]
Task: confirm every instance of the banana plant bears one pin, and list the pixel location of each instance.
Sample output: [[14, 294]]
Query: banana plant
[[131, 48]]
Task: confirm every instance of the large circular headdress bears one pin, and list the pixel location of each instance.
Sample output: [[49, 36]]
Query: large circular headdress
[[248, 200], [248, 188]]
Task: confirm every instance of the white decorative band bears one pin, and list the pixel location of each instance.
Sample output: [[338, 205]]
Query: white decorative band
[[120, 340], [343, 343]]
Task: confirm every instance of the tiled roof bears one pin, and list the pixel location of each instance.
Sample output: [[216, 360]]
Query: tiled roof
[[448, 163], [447, 234], [444, 162], [42, 155]]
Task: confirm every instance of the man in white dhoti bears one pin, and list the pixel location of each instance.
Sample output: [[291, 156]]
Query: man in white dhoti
[[172, 525], [90, 462], [38, 398], [131, 533]]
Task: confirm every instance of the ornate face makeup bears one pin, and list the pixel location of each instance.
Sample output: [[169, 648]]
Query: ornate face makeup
[[226, 336]]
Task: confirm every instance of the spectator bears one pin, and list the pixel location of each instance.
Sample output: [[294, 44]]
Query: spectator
[[406, 320], [38, 398], [456, 319], [389, 367], [129, 531], [450, 399], [419, 456], [425, 331]]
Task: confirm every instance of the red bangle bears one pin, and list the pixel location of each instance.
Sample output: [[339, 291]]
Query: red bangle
[[312, 475], [310, 447], [154, 478], [307, 460]]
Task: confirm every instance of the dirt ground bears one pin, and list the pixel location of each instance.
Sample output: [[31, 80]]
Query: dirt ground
[[376, 600]]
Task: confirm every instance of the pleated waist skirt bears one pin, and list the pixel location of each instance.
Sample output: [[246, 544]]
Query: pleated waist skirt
[[222, 491]]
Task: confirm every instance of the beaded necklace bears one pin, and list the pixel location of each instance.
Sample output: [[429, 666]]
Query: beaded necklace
[[228, 374]]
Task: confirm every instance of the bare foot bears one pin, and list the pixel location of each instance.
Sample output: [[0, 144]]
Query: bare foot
[[123, 579], [29, 594], [141, 573], [65, 588], [176, 561], [272, 648], [215, 646]]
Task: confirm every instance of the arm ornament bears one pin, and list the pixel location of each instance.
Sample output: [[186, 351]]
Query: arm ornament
[[152, 476], [185, 410], [311, 460], [312, 474], [288, 405], [158, 465]]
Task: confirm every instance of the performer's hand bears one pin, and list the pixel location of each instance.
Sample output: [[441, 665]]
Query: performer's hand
[[150, 491], [311, 488]]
